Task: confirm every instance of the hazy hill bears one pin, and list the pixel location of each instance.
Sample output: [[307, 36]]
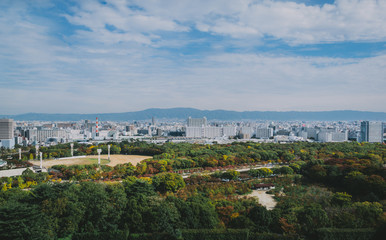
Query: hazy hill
[[183, 113]]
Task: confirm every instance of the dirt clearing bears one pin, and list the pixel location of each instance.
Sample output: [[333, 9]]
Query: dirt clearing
[[93, 159], [264, 199]]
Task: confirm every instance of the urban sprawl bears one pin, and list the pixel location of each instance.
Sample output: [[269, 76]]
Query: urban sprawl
[[193, 130]]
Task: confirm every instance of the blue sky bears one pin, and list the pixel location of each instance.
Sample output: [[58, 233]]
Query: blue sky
[[116, 56]]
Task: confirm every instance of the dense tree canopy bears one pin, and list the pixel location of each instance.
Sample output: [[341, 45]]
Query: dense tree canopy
[[331, 189]]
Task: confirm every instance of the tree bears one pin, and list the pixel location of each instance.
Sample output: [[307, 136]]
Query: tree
[[341, 199], [261, 218], [295, 167], [117, 199], [165, 182], [367, 213], [24, 221], [312, 217], [231, 175], [140, 214], [95, 205], [261, 172], [288, 156], [286, 170], [168, 218], [135, 187]]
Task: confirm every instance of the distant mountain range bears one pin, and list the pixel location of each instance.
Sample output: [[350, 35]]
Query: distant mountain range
[[184, 113]]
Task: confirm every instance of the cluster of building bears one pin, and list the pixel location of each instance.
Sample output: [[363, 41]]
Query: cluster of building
[[290, 131], [191, 130]]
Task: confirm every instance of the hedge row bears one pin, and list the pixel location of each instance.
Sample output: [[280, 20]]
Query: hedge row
[[345, 233], [270, 236], [151, 236], [215, 234], [114, 235], [228, 234]]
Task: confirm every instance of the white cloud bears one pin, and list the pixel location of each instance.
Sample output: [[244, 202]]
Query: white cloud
[[294, 23], [108, 83], [346, 20], [116, 22], [103, 70]]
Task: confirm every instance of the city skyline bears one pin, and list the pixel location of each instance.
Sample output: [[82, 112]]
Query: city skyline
[[121, 56]]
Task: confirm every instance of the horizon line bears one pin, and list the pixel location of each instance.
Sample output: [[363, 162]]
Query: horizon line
[[278, 111]]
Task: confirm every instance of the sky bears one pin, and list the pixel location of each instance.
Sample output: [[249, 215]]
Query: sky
[[92, 56]]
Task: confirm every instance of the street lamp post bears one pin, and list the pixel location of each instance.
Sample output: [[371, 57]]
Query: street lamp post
[[99, 156], [19, 153], [41, 161], [37, 151], [72, 149], [108, 151]]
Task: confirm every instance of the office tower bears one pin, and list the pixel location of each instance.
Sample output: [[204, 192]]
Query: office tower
[[6, 129], [371, 132], [197, 122], [159, 132], [6, 133]]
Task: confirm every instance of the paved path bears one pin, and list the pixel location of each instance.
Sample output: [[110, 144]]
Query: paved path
[[12, 172], [186, 175]]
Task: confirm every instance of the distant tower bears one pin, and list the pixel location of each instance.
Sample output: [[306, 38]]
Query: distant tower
[[96, 128], [6, 128], [371, 132], [153, 121]]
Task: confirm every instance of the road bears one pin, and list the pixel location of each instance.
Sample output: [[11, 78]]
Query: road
[[186, 175]]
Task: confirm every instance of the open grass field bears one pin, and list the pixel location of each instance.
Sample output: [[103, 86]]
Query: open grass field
[[93, 159]]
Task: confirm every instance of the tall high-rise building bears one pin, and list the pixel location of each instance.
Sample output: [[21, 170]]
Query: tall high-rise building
[[371, 132], [197, 122], [6, 129], [7, 139]]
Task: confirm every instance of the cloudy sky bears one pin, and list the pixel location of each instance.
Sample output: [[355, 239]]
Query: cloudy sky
[[114, 56]]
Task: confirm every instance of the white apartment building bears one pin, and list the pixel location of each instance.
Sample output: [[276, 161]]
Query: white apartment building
[[210, 132], [197, 122], [264, 133], [43, 134]]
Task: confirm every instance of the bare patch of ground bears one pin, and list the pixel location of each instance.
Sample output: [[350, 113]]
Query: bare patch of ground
[[265, 199], [120, 159], [93, 159]]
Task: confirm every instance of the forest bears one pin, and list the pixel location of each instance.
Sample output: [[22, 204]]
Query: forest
[[192, 191]]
